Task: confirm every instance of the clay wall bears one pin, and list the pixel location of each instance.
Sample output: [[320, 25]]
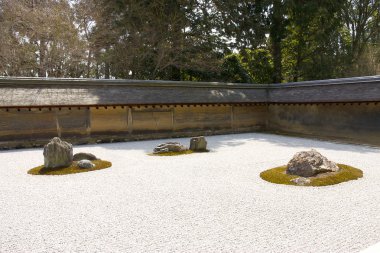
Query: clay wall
[[33, 110]]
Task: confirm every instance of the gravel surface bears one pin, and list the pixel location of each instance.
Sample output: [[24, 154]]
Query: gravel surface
[[204, 202], [373, 249]]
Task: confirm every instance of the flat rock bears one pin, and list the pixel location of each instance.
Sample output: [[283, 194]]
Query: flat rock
[[57, 154], [198, 143], [85, 164], [309, 164], [169, 147], [301, 180], [84, 156]]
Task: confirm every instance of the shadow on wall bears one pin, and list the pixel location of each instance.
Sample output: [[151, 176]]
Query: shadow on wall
[[161, 92]]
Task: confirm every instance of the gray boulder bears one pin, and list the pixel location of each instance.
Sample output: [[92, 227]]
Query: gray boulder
[[169, 147], [84, 156], [198, 144], [85, 164], [57, 154], [309, 164]]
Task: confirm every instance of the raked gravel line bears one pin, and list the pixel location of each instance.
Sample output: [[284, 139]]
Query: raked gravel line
[[206, 202]]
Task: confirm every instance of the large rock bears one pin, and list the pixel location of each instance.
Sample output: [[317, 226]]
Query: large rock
[[57, 154], [169, 147], [309, 164], [198, 143], [84, 156]]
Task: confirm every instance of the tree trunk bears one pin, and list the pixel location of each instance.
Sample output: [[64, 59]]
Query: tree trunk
[[106, 70], [88, 64], [276, 35], [41, 67]]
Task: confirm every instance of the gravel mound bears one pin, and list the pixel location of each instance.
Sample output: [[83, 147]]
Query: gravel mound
[[203, 202]]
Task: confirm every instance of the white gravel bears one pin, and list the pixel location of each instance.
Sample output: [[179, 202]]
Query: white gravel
[[206, 202]]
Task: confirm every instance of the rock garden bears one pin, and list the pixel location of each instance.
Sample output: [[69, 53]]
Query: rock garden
[[197, 144], [59, 160], [310, 168], [191, 203]]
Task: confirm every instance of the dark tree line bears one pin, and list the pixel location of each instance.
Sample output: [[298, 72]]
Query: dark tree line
[[261, 41]]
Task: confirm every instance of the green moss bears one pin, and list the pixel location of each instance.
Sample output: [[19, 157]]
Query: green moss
[[186, 152], [202, 151], [41, 170], [346, 173]]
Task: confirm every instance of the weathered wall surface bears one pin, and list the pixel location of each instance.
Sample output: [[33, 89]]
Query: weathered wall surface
[[73, 92], [33, 110], [357, 89], [28, 127], [352, 122]]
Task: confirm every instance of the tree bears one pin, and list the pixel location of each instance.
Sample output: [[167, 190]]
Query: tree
[[277, 34], [43, 38], [244, 22], [259, 64], [312, 45], [362, 21], [85, 16], [156, 39], [233, 71], [262, 41]]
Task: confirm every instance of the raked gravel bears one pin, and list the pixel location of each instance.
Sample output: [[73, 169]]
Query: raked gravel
[[204, 202]]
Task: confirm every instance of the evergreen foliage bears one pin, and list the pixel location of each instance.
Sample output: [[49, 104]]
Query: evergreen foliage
[[258, 41]]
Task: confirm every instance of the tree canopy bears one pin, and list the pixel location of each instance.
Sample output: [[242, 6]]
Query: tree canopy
[[251, 41]]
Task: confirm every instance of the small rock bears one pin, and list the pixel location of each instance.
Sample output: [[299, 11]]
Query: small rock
[[57, 154], [163, 150], [309, 164], [301, 180], [198, 144], [169, 147], [85, 164], [84, 156]]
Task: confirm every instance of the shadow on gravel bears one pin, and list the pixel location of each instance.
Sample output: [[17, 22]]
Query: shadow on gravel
[[234, 140]]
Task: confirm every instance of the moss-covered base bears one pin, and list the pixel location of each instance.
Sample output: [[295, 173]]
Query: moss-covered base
[[186, 152], [41, 170], [202, 151], [346, 173]]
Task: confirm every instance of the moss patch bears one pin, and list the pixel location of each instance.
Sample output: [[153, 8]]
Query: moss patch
[[346, 173], [186, 152], [41, 170], [202, 151]]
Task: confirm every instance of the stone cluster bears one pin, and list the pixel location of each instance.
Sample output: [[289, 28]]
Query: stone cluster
[[308, 164], [59, 154], [197, 144]]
